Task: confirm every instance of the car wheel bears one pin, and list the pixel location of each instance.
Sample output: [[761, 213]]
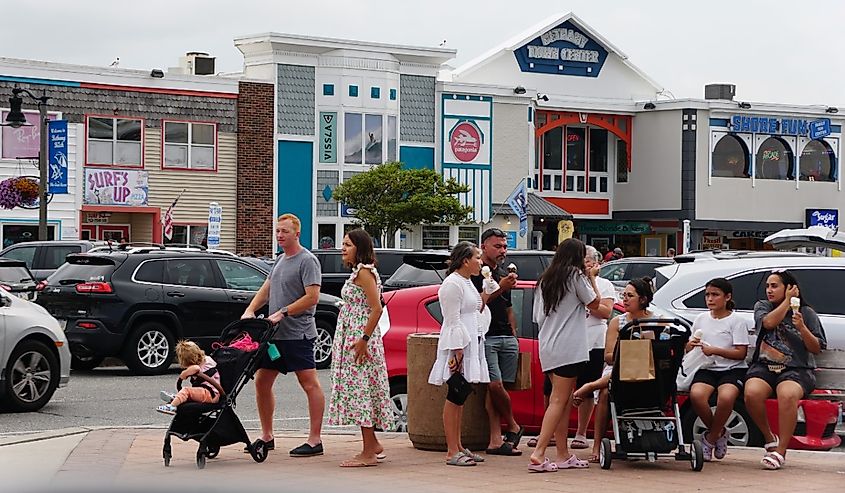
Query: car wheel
[[739, 428], [399, 406], [32, 375], [323, 344], [85, 362], [150, 348]]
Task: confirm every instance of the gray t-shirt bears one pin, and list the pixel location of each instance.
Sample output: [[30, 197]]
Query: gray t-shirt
[[563, 333], [784, 344], [288, 279]]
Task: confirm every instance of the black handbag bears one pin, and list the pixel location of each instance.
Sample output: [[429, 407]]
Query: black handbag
[[458, 389]]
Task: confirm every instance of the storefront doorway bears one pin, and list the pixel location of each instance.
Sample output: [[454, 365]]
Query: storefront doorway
[[105, 232]]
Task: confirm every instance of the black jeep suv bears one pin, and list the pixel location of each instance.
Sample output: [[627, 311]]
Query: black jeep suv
[[135, 304]]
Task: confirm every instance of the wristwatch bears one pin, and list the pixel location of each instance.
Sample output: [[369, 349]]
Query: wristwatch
[[284, 311], [365, 337]]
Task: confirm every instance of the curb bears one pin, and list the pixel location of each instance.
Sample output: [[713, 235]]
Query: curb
[[42, 435]]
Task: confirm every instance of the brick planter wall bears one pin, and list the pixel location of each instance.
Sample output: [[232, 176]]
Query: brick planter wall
[[255, 169]]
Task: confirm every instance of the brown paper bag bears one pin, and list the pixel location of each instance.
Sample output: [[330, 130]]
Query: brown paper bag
[[636, 361], [523, 373]]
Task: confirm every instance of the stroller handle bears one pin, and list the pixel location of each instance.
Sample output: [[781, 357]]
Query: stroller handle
[[677, 326]]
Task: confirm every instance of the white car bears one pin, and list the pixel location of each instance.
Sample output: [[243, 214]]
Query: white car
[[34, 355]]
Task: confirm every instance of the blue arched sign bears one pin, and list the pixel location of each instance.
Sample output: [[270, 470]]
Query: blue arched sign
[[562, 50]]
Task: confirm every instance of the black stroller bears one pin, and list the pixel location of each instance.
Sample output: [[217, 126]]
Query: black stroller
[[217, 425], [642, 427]]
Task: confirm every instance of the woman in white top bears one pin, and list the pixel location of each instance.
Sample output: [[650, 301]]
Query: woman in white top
[[564, 293], [723, 335], [460, 348]]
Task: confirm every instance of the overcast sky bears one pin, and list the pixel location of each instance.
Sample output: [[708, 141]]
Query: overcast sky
[[774, 50]]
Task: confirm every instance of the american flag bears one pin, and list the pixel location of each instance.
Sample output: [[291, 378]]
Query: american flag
[[168, 218]]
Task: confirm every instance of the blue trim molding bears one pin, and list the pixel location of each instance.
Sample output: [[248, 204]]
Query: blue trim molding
[[393, 94], [375, 92], [353, 91], [328, 89], [296, 166], [413, 157]]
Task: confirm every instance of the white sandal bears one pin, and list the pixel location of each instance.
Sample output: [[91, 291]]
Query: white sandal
[[773, 461], [773, 445]]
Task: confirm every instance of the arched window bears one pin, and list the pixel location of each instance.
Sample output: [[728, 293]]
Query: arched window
[[774, 160], [731, 158], [818, 162]]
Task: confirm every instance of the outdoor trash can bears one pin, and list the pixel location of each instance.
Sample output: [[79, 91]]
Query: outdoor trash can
[[425, 402]]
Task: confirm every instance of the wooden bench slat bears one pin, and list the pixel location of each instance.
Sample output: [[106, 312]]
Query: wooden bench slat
[[830, 379], [831, 358]]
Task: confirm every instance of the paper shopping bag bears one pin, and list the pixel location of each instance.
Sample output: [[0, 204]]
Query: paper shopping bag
[[636, 362], [523, 373]]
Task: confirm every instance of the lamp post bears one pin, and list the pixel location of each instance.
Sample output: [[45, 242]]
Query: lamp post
[[16, 119]]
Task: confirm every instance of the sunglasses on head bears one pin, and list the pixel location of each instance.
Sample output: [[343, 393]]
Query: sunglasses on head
[[493, 232]]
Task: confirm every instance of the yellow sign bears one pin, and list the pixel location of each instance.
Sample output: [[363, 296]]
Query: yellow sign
[[565, 228]]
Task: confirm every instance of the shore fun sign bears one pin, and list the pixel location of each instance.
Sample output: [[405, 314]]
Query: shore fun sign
[[562, 50], [116, 187], [773, 125]]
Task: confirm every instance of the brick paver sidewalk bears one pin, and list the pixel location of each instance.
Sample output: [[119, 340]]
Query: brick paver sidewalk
[[132, 458]]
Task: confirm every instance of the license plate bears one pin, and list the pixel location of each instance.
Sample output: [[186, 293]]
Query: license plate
[[63, 324]]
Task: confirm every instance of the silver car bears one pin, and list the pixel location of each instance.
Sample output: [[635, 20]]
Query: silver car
[[34, 355]]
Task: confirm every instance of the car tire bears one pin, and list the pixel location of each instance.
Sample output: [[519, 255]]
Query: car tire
[[399, 406], [323, 343], [150, 349], [741, 429], [85, 363], [32, 376]]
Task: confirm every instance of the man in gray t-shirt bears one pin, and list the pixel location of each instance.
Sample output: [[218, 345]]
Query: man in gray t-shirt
[[292, 291]]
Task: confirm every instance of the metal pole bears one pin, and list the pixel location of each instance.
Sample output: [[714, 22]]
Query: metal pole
[[42, 172]]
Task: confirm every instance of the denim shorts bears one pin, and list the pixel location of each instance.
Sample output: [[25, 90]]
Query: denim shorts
[[502, 354]]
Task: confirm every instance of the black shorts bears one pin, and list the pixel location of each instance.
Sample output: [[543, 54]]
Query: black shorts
[[717, 378], [565, 371], [802, 376], [296, 355], [594, 368]]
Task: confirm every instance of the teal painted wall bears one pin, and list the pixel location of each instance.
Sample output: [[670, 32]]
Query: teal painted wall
[[417, 157], [295, 184]]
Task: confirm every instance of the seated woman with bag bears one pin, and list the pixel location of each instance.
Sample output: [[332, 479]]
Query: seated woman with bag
[[789, 333], [721, 335]]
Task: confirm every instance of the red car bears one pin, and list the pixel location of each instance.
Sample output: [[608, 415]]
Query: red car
[[417, 310]]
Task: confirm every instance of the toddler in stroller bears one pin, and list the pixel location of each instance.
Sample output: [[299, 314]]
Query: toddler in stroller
[[202, 371], [213, 423]]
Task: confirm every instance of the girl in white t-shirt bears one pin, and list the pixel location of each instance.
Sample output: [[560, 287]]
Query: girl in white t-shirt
[[722, 335]]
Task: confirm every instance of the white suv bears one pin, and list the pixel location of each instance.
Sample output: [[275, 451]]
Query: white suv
[[680, 287]]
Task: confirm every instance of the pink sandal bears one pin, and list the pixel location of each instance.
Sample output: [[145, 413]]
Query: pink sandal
[[572, 462], [546, 466]]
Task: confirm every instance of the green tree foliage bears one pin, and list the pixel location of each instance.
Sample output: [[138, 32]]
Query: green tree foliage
[[388, 198]]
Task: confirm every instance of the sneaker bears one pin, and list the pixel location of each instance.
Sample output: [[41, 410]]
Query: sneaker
[[166, 396], [721, 448], [706, 448], [166, 409]]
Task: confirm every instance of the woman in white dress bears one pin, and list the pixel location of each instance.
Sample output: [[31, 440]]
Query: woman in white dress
[[461, 345]]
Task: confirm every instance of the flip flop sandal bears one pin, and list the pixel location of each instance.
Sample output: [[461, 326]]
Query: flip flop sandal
[[577, 400], [357, 463], [532, 442], [475, 457], [514, 437], [546, 466], [579, 442], [505, 449], [460, 459], [381, 457], [572, 462], [593, 458], [773, 461]]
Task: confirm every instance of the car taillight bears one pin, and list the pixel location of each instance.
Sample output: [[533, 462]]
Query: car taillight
[[87, 325], [40, 286], [7, 288], [94, 287]]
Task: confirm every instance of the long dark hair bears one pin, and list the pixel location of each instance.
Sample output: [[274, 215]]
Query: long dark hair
[[364, 253], [644, 289], [556, 281], [461, 252], [788, 278], [724, 286]]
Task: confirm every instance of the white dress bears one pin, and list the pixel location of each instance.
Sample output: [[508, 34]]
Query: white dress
[[463, 327]]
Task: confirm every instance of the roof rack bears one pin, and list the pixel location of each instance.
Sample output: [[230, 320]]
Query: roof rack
[[186, 245]]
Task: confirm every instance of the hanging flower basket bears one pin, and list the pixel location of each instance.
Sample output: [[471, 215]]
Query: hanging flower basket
[[18, 192]]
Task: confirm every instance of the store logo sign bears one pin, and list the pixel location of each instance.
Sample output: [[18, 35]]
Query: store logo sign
[[465, 139], [328, 137], [562, 50], [828, 218], [814, 129]]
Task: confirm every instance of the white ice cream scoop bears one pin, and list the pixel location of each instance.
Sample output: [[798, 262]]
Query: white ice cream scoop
[[512, 268], [485, 271], [795, 303], [698, 334]]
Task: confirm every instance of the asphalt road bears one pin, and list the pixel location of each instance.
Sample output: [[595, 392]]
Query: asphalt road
[[113, 397]]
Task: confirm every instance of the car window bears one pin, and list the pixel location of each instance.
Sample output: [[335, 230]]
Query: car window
[[332, 263], [190, 272], [151, 271], [819, 288], [407, 275], [15, 274], [26, 254], [83, 268], [528, 267], [54, 256], [240, 276], [388, 263], [644, 269], [747, 290], [433, 308], [520, 299], [615, 272]]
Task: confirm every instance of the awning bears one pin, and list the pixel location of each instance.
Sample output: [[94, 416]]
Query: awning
[[537, 206]]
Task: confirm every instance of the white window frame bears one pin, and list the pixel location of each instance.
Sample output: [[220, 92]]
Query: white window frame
[[439, 230], [189, 226], [114, 140], [385, 135], [190, 145]]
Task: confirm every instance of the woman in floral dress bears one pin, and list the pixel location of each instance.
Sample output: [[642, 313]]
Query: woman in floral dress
[[360, 390]]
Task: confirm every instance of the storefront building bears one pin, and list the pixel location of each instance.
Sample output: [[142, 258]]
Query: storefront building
[[136, 143]]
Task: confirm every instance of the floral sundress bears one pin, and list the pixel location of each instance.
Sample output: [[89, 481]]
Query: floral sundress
[[360, 393]]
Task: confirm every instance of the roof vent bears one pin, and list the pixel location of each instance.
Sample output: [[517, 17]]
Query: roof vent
[[720, 91]]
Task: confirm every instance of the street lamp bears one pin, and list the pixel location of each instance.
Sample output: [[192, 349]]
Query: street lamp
[[16, 119]]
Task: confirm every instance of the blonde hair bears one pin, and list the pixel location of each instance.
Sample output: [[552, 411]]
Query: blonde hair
[[188, 353], [297, 224]]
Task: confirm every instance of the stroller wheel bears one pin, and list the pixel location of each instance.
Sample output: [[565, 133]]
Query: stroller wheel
[[201, 454], [605, 454], [258, 451], [213, 451], [697, 456]]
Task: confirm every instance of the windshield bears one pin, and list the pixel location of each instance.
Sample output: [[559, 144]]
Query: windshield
[[15, 275], [75, 273], [407, 275]]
